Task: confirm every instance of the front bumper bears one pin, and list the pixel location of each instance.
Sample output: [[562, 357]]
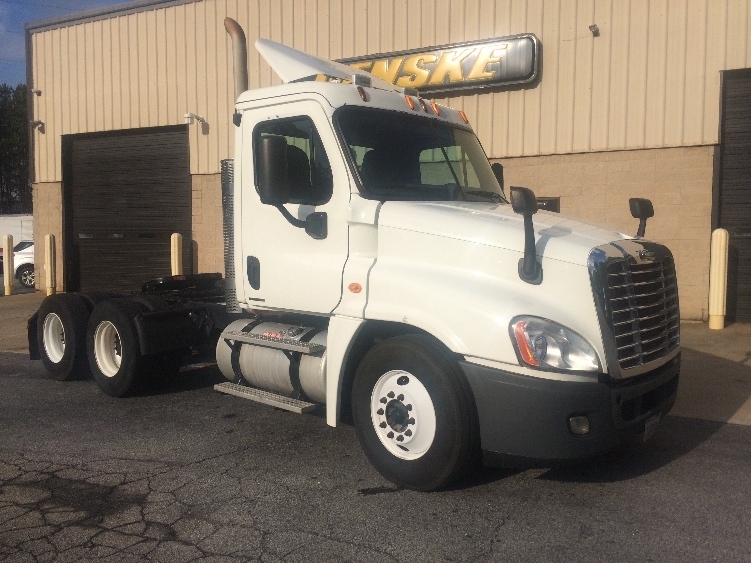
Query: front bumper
[[526, 420]]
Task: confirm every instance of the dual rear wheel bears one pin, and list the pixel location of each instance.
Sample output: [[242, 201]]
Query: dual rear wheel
[[95, 335]]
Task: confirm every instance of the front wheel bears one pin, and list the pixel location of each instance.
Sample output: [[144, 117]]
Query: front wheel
[[414, 413], [112, 343]]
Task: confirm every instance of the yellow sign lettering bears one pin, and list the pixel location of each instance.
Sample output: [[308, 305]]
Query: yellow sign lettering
[[382, 69], [450, 64], [487, 56], [416, 75]]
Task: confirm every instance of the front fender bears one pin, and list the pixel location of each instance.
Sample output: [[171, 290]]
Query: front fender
[[466, 294]]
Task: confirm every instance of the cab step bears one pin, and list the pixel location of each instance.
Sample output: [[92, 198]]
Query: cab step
[[273, 342], [265, 397]]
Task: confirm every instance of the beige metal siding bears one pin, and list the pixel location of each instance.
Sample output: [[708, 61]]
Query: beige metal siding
[[651, 79]]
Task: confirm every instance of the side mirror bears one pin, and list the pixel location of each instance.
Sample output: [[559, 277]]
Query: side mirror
[[641, 209], [524, 202], [497, 169], [271, 170]]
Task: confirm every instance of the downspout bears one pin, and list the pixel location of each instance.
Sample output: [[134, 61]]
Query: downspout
[[239, 55]]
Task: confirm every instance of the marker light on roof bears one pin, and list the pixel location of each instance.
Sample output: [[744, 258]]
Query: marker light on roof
[[464, 117], [423, 105], [363, 95], [410, 103], [435, 107]]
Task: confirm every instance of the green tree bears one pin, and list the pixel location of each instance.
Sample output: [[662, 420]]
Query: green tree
[[15, 190]]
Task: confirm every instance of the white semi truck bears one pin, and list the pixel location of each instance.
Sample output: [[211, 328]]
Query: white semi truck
[[374, 266]]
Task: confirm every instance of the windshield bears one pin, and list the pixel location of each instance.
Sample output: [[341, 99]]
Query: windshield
[[403, 157]]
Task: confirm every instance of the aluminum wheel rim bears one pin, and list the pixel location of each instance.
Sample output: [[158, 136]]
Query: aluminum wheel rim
[[107, 349], [53, 335], [403, 415], [27, 278]]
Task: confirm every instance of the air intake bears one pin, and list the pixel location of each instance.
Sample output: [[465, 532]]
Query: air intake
[[228, 211]]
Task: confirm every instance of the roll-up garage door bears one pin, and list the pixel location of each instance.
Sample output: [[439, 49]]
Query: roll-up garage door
[[734, 211], [126, 192]]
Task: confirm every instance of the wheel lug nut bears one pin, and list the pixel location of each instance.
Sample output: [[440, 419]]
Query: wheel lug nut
[[408, 433], [380, 412], [391, 395], [390, 435], [409, 407], [383, 425], [400, 397], [383, 400], [400, 438], [411, 421]]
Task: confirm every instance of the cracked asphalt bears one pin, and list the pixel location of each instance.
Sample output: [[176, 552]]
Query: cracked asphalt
[[183, 473]]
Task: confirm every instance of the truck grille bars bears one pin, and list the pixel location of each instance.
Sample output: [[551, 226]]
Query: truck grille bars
[[638, 299]]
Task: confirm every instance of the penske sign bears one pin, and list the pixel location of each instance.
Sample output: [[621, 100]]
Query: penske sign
[[462, 66]]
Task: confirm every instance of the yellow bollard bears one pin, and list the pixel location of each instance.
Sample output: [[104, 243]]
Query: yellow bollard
[[50, 264], [177, 254], [8, 269], [718, 278]]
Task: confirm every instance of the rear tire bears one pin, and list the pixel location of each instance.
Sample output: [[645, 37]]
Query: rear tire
[[61, 336], [414, 413], [112, 344]]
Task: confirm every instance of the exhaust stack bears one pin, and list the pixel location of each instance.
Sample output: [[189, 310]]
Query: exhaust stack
[[239, 55]]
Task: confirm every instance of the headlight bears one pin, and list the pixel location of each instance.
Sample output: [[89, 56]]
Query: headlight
[[543, 344]]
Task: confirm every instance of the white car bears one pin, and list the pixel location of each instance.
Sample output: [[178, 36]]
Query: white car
[[23, 261]]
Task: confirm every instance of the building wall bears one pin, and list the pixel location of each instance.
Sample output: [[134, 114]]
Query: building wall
[[47, 199], [650, 79], [633, 112], [208, 242], [596, 187]]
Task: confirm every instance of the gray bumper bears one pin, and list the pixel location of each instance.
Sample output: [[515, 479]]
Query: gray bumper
[[525, 418]]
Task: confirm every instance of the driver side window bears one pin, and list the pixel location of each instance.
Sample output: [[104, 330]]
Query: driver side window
[[308, 168]]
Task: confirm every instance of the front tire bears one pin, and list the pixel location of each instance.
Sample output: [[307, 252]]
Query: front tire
[[61, 336], [112, 344], [414, 413]]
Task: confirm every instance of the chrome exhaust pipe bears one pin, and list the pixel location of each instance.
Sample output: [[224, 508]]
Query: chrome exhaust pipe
[[239, 55]]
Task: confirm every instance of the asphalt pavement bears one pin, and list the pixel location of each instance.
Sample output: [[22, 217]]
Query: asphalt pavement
[[182, 473]]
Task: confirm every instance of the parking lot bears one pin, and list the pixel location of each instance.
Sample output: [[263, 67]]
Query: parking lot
[[183, 473]]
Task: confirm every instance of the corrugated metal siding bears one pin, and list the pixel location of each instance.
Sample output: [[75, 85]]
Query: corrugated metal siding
[[651, 79], [735, 190]]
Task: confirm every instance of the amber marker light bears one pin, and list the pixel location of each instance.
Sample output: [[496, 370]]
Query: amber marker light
[[363, 95], [464, 117], [423, 105], [435, 107], [354, 287], [410, 103], [521, 341]]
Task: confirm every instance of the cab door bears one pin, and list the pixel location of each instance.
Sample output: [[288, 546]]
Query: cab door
[[285, 267]]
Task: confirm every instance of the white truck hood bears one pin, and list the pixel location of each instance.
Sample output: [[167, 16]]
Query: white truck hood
[[497, 225]]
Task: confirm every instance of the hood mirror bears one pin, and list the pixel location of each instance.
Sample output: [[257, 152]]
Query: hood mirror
[[641, 209], [524, 202]]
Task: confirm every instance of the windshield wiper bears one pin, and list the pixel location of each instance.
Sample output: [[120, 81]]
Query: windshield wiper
[[487, 194]]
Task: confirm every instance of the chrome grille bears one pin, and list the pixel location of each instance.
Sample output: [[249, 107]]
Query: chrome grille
[[642, 309]]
